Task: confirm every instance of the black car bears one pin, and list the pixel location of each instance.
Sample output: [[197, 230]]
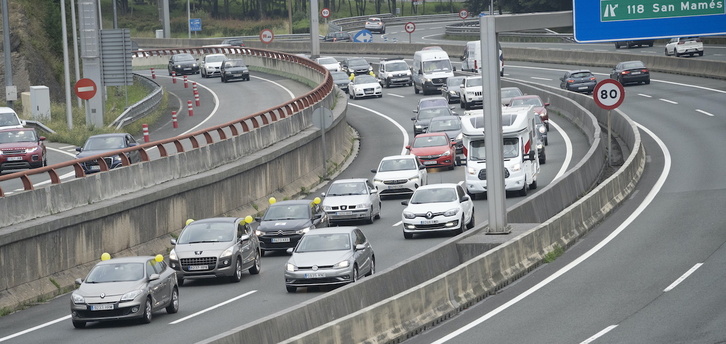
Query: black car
[[423, 117], [338, 36], [631, 72], [233, 42], [285, 222], [580, 80], [630, 44], [99, 144], [341, 80], [183, 64], [234, 69], [357, 65], [450, 90]]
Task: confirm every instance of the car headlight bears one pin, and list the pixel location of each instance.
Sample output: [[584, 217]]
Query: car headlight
[[516, 167], [378, 88], [471, 170], [418, 126], [290, 267], [303, 231], [409, 215], [377, 180], [343, 264], [327, 208], [542, 129], [194, 64], [31, 150], [447, 153], [130, 296], [427, 80], [77, 299], [259, 233], [539, 146], [227, 252], [413, 179], [453, 93], [172, 255], [178, 66], [362, 206], [451, 212]]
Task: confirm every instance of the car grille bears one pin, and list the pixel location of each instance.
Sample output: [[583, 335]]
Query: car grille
[[109, 162], [395, 181], [438, 80], [429, 217], [210, 261], [483, 174], [280, 233], [13, 151], [311, 268], [429, 156], [434, 226], [477, 93], [368, 90], [343, 207], [119, 312]]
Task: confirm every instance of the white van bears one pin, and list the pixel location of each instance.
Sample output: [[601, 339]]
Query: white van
[[9, 119], [471, 59], [430, 70]]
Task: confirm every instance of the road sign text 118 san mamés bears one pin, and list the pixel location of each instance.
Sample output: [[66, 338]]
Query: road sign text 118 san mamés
[[615, 10]]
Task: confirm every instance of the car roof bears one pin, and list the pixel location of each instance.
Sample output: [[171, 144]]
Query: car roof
[[525, 96], [133, 259], [208, 55], [391, 157], [332, 230], [17, 129], [292, 202], [349, 180], [437, 186], [579, 71], [374, 18], [217, 219], [110, 135]]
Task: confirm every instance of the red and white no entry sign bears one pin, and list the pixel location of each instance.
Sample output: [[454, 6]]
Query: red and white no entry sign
[[266, 36], [463, 14], [608, 94], [410, 27], [85, 88], [325, 12]]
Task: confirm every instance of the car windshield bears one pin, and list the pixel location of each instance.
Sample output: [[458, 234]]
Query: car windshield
[[327, 60], [477, 151], [215, 58], [397, 66], [104, 142], [364, 79], [429, 113], [432, 102], [8, 119], [397, 165], [17, 136], [526, 101], [340, 76], [347, 188], [198, 232], [454, 82], [581, 75], [633, 65], [510, 92], [184, 57], [436, 66], [120, 272], [234, 63], [287, 212], [358, 63], [437, 195], [511, 146], [445, 125], [429, 141], [471, 82], [324, 242]]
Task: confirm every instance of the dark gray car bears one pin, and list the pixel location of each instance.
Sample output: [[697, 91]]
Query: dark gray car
[[285, 222], [581, 80], [234, 69], [424, 116], [451, 125], [104, 143], [341, 80], [451, 89]]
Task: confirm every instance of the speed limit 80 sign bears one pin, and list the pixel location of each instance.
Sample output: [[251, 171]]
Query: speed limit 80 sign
[[608, 94]]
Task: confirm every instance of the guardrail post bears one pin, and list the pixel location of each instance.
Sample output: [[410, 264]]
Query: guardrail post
[[174, 122]]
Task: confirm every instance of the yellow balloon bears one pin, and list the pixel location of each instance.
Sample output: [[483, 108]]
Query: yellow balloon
[[249, 219], [272, 200], [105, 256], [159, 258], [316, 200], [189, 221]]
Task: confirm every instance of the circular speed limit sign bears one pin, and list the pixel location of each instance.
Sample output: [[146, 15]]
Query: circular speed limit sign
[[266, 36], [608, 94], [463, 14], [410, 27], [325, 13]]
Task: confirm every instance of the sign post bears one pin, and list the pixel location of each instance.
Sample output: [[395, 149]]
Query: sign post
[[325, 13], [410, 28], [609, 94]]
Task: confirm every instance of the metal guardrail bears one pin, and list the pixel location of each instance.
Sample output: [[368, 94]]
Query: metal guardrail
[[143, 107], [471, 28]]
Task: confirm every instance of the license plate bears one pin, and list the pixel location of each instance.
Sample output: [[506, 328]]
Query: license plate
[[429, 222], [315, 275], [15, 158], [582, 88], [187, 69], [95, 168], [198, 267], [395, 187], [280, 240], [237, 74], [104, 307], [636, 73], [429, 162], [344, 213]]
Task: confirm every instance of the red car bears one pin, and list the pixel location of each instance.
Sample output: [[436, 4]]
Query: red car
[[540, 107], [434, 150], [21, 148]]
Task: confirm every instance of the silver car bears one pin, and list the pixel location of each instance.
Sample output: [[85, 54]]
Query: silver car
[[125, 288], [352, 200], [329, 256], [215, 247]]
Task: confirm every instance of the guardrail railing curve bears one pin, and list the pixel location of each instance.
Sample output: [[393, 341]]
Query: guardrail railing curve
[[235, 127]]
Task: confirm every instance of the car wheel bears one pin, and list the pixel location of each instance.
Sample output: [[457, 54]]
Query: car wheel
[[467, 106], [533, 185], [146, 318], [179, 281], [350, 95], [470, 225], [388, 83], [373, 267], [415, 89], [290, 289], [173, 306], [380, 95], [665, 50], [647, 82], [355, 273], [617, 45], [407, 235], [369, 220], [700, 53], [523, 191], [256, 267], [675, 52], [79, 324], [204, 75], [546, 141], [461, 226], [237, 271], [378, 215], [262, 253]]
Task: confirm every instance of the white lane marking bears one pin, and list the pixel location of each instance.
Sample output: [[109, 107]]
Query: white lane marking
[[213, 307], [68, 147], [568, 151], [35, 328], [599, 334], [646, 202], [682, 278], [538, 78], [704, 112], [668, 101], [397, 224], [632, 195], [645, 95], [403, 131], [396, 95]]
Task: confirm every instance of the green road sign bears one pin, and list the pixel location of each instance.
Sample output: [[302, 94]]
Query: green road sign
[[616, 10]]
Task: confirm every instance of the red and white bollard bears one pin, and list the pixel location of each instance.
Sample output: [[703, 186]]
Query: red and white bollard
[[146, 132], [174, 122], [196, 98], [186, 82], [153, 74], [173, 77], [190, 108], [194, 87]]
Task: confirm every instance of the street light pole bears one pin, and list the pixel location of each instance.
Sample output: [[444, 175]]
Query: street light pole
[[7, 52]]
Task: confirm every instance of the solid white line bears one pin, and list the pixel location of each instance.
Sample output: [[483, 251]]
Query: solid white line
[[682, 278], [599, 334], [396, 95], [35, 328], [704, 112], [213, 307], [538, 78], [668, 101], [397, 224], [68, 147], [646, 202], [403, 131], [645, 95], [568, 151]]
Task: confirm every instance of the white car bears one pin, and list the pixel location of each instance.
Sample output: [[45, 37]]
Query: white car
[[352, 200], [330, 63], [684, 46], [375, 25], [9, 119], [399, 174], [471, 92], [364, 86], [211, 64], [436, 208]]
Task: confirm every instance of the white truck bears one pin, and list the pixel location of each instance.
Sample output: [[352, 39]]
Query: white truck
[[430, 69], [521, 161]]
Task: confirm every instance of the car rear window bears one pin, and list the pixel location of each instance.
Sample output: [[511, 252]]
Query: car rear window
[[581, 75]]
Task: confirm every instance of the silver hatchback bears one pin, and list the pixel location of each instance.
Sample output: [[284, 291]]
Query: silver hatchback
[[352, 200]]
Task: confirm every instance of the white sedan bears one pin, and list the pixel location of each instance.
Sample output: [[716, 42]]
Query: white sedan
[[330, 63], [365, 86], [436, 208]]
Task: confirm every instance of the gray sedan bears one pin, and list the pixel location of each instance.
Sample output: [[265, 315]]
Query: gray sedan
[[352, 200], [329, 256]]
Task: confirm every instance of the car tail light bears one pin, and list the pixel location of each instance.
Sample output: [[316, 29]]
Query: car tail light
[[644, 70], [625, 72], [570, 80], [592, 78]]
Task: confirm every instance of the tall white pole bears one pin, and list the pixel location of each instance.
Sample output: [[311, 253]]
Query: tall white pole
[[66, 74], [7, 52]]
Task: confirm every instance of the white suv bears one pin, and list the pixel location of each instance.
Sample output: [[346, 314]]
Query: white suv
[[471, 92], [399, 174], [438, 207], [684, 46], [394, 72], [9, 119]]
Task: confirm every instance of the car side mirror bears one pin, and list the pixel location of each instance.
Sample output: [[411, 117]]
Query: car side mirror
[[374, 171], [78, 281], [42, 138], [322, 194], [360, 247], [546, 104], [404, 202], [562, 78], [374, 190], [422, 167], [413, 118], [318, 216], [258, 219], [244, 238], [173, 241], [79, 149], [408, 147], [465, 198], [154, 277]]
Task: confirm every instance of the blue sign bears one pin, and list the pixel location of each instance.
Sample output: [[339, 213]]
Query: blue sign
[[363, 36], [620, 20], [195, 24]]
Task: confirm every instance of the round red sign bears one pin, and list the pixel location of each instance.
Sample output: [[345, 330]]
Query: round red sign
[[266, 36], [85, 88], [325, 13], [463, 14], [608, 94], [410, 27]]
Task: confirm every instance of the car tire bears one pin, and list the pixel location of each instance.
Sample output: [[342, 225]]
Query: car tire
[[237, 276], [373, 267], [407, 235], [675, 52], [542, 159], [204, 75], [79, 324], [700, 53], [533, 185], [378, 215], [647, 82], [146, 317], [369, 220], [546, 141], [472, 221], [415, 89], [256, 267], [387, 84], [355, 274], [173, 306], [262, 253], [461, 226], [380, 95], [350, 95], [290, 289], [617, 45], [523, 191], [467, 106]]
